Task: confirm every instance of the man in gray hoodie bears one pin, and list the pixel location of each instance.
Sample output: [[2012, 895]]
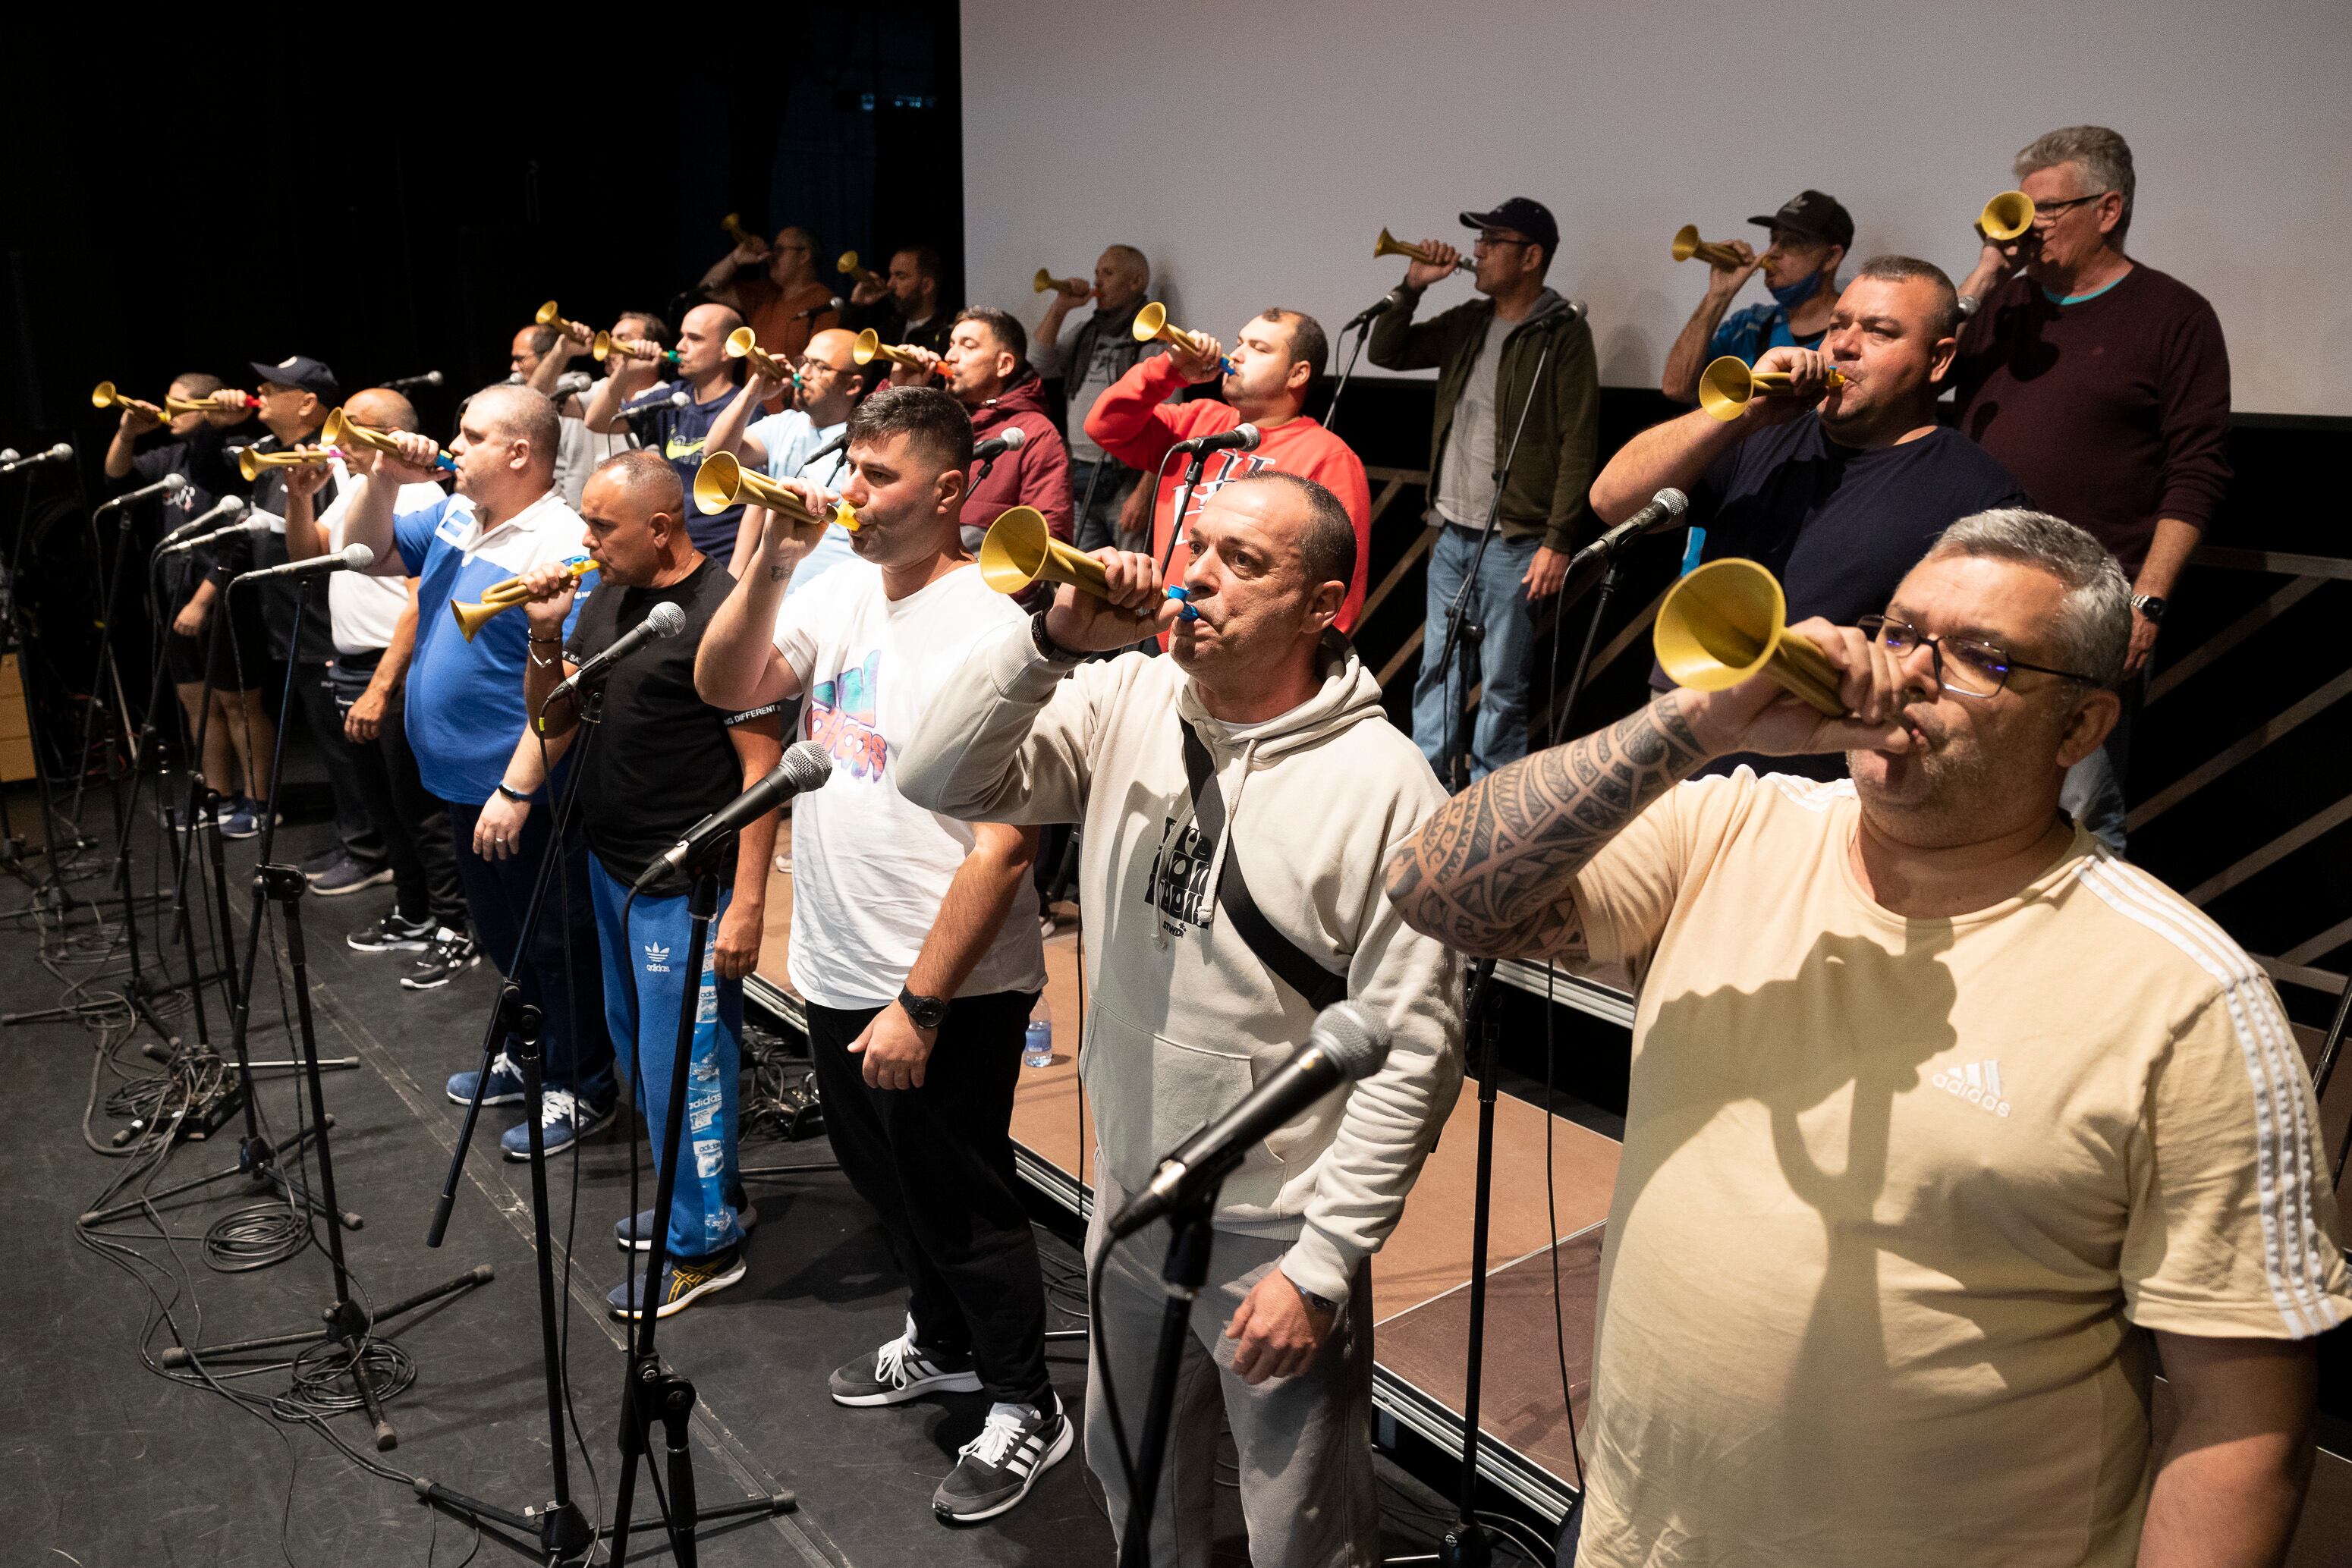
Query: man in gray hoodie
[[1203, 948]]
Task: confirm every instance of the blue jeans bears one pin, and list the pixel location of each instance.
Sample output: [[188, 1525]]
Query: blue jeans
[[1499, 604], [2094, 791], [644, 980], [1098, 527]]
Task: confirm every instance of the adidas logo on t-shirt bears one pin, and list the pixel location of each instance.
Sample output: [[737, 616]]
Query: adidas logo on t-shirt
[[1978, 1083]]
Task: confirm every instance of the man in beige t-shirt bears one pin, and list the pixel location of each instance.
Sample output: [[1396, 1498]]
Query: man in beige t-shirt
[[1947, 1128]]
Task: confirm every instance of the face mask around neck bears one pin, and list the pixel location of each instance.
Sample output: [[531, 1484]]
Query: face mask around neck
[[1797, 293]]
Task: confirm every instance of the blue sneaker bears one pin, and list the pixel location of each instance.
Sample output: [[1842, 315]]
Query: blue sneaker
[[635, 1233], [505, 1087], [684, 1281], [241, 818], [563, 1120]]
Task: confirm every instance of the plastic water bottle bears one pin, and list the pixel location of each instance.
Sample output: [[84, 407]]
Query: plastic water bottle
[[1037, 1045]]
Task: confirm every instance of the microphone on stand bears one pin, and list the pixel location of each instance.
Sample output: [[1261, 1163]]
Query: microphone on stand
[[1348, 1042], [163, 487], [814, 311], [184, 537], [988, 451], [402, 383], [1240, 438], [355, 558], [675, 400], [571, 384], [1374, 311], [664, 620], [60, 452], [806, 765], [1667, 506]]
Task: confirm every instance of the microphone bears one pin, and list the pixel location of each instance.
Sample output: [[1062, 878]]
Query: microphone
[[838, 444], [402, 383], [1664, 507], [1374, 311], [664, 620], [1240, 438], [183, 536], [7, 455], [806, 765], [675, 400], [163, 487], [357, 558], [814, 311], [995, 448], [571, 383], [1348, 1042], [60, 452]]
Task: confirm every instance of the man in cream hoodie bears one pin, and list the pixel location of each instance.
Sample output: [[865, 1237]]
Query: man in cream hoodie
[[1192, 1003]]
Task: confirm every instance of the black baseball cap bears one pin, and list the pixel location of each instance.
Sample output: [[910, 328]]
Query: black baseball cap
[[1813, 212], [1529, 217], [300, 370]]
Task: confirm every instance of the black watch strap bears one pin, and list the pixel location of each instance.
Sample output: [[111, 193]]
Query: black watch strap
[[1046, 647], [928, 1013], [511, 793]]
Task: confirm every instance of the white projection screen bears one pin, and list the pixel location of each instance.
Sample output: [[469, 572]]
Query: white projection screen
[[1254, 150]]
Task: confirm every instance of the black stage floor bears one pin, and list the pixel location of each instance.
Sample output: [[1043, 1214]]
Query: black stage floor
[[104, 1461]]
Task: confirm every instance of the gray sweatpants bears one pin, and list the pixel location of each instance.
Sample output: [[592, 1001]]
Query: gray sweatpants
[[1305, 1442]]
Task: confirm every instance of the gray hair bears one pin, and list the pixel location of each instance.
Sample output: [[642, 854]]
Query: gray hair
[[2103, 157], [2092, 632], [1946, 321]]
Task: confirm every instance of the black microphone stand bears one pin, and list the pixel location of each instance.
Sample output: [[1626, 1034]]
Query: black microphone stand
[[1183, 1273], [651, 1392], [1362, 327]]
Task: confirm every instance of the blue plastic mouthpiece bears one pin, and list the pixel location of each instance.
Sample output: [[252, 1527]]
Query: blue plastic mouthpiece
[[1176, 591]]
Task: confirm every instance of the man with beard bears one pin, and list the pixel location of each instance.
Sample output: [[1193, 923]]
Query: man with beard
[[1841, 482], [1955, 1124], [1808, 238]]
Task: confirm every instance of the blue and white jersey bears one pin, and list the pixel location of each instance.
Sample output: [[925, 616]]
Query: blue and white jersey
[[465, 699]]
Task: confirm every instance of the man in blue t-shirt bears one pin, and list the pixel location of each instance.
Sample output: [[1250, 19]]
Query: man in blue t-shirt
[[1838, 489], [474, 748], [707, 377], [1809, 236]]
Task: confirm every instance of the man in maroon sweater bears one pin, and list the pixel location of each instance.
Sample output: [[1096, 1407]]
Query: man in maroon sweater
[[2103, 385], [987, 368]]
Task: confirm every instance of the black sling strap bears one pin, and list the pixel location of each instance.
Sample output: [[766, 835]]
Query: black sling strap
[[1291, 963]]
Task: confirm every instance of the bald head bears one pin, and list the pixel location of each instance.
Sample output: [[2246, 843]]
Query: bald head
[[519, 415], [639, 482], [702, 346], [381, 408], [633, 507], [830, 392]]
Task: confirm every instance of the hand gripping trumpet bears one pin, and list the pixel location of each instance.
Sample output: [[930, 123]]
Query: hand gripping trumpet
[[503, 596], [342, 430], [1728, 621], [1715, 253], [1727, 385], [1020, 549], [1152, 325], [743, 343], [722, 481], [1389, 245], [103, 395]]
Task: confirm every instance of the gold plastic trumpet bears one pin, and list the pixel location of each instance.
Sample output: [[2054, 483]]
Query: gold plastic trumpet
[[742, 343], [103, 395], [603, 346], [342, 430], [733, 224], [1727, 385], [1020, 549], [2006, 216], [1715, 253], [1728, 621], [870, 347], [505, 595], [849, 265], [549, 315], [722, 481], [1046, 283], [252, 464], [1389, 245]]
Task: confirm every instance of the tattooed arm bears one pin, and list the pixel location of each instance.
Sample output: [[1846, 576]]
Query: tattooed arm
[[1494, 871]]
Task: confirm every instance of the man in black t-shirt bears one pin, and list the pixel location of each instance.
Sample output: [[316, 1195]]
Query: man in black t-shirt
[[660, 760], [709, 376], [1839, 487]]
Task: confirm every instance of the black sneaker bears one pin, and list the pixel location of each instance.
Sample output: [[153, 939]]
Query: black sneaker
[[449, 957], [899, 1371], [684, 1281], [344, 874], [392, 935], [634, 1234], [996, 1469]]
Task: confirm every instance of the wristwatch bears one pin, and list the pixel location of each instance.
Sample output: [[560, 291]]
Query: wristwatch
[[511, 793], [928, 1013], [1046, 647], [2150, 605]]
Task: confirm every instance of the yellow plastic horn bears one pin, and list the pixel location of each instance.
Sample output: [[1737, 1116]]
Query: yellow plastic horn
[[733, 224], [549, 315], [870, 347], [251, 464], [603, 346], [1715, 253], [1727, 385], [742, 343], [505, 595], [1389, 245], [342, 430], [1020, 549], [1728, 621], [849, 265], [1046, 283], [103, 395], [1152, 325], [722, 481], [2006, 216]]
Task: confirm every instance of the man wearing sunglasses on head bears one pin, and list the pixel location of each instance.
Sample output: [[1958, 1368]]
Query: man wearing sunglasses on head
[[1838, 482]]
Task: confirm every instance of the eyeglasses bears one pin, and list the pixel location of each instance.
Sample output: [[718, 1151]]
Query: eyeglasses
[[1488, 241], [1964, 667], [2051, 209]]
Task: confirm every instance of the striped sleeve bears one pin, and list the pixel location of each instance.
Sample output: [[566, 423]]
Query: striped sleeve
[[2232, 1229]]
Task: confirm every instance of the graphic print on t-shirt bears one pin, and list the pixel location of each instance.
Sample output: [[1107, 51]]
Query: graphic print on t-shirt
[[1178, 882], [841, 717], [1231, 465]]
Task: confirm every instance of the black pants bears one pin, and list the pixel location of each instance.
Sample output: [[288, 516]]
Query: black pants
[[560, 974], [414, 825], [314, 700], [937, 1165]]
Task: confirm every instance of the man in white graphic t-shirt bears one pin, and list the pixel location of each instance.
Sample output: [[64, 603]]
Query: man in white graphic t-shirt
[[914, 937]]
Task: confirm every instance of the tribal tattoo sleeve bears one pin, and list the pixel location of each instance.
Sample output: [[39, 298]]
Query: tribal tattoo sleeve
[[1492, 872]]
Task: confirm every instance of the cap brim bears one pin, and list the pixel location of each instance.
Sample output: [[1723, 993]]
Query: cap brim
[[1479, 220]]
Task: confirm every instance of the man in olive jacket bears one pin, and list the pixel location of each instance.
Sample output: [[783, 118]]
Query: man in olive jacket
[[1520, 347]]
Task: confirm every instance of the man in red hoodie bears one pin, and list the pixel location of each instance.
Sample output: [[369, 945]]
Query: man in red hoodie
[[1273, 366], [987, 370]]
